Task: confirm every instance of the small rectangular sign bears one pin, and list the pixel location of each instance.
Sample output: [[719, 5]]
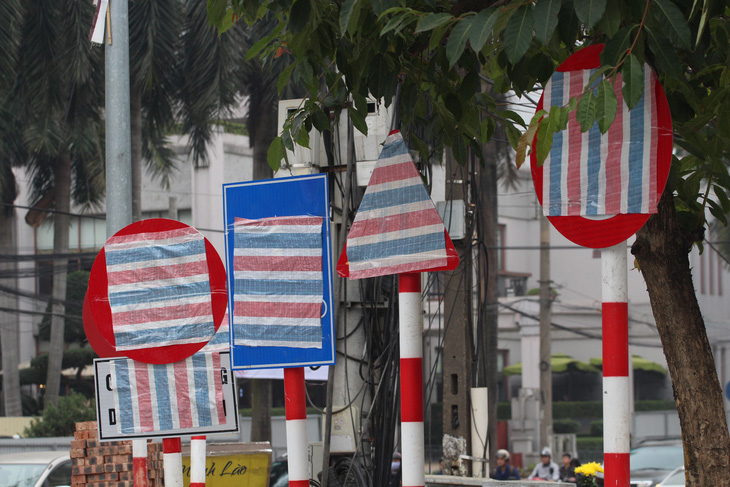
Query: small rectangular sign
[[190, 397], [279, 262], [232, 465]]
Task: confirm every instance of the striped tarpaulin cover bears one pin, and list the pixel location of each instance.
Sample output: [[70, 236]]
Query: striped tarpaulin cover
[[278, 282], [591, 173], [397, 227], [221, 342], [158, 398], [159, 289]]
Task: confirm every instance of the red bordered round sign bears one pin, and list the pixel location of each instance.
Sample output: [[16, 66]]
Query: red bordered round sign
[[157, 293], [598, 190]]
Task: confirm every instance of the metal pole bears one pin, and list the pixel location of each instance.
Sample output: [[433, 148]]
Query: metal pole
[[139, 462], [296, 427], [410, 316], [615, 318], [118, 133]]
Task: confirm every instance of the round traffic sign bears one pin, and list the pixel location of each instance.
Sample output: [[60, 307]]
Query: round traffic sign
[[157, 292], [599, 189]]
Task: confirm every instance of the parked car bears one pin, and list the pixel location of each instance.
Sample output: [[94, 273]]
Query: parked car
[[35, 469], [652, 462], [674, 479]]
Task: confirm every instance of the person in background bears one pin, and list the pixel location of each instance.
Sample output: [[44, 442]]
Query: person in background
[[567, 471], [546, 469], [504, 470]]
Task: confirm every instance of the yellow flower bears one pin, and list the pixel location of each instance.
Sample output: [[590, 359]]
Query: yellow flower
[[589, 468]]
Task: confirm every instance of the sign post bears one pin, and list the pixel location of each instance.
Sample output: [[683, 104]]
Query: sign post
[[280, 276], [397, 230], [598, 190]]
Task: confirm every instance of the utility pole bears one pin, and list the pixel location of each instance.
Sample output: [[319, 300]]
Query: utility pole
[[546, 376], [118, 130], [457, 353]]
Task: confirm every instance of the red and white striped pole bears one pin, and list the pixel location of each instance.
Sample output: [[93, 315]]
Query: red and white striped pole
[[139, 462], [197, 461], [410, 315], [616, 413], [172, 461], [296, 427]]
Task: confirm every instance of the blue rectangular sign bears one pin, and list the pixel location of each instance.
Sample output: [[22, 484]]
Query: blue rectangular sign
[[279, 263]]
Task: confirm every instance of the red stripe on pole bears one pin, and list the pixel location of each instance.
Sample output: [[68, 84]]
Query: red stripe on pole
[[411, 384], [409, 282], [171, 445], [615, 339], [295, 394], [299, 483], [139, 469], [198, 438], [616, 469], [197, 484]]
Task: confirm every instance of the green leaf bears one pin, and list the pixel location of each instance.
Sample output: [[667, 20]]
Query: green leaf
[[320, 121], [275, 154], [606, 106], [513, 135], [348, 7], [431, 21], [457, 40], [395, 23], [546, 19], [217, 11], [436, 35], [559, 117], [673, 22], [481, 27], [611, 22], [299, 15], [518, 33], [528, 137], [665, 56], [544, 141], [632, 73], [284, 78], [358, 121], [616, 48], [722, 197], [589, 11], [585, 113]]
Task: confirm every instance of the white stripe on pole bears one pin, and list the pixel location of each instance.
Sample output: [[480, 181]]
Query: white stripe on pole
[[139, 462], [614, 274], [412, 457], [479, 429], [172, 462], [197, 461], [411, 325], [615, 413], [296, 436]]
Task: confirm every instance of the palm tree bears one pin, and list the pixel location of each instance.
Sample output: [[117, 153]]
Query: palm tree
[[57, 114], [10, 13]]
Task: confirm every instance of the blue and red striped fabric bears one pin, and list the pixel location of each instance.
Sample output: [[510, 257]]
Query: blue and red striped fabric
[[397, 227], [164, 397], [278, 282], [589, 173], [159, 289]]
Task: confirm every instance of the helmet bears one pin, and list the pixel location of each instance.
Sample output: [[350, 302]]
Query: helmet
[[503, 454]]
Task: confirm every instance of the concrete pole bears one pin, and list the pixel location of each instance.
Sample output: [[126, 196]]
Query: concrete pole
[[615, 319], [118, 132], [172, 462], [410, 317], [197, 461], [296, 427], [546, 372]]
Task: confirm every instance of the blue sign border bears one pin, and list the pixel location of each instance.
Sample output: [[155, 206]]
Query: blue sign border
[[291, 196]]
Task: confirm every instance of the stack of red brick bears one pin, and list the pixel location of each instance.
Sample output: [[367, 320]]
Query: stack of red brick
[[109, 464]]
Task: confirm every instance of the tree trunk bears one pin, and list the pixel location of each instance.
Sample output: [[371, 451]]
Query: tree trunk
[[261, 410], [135, 127], [61, 221], [9, 319], [661, 249]]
